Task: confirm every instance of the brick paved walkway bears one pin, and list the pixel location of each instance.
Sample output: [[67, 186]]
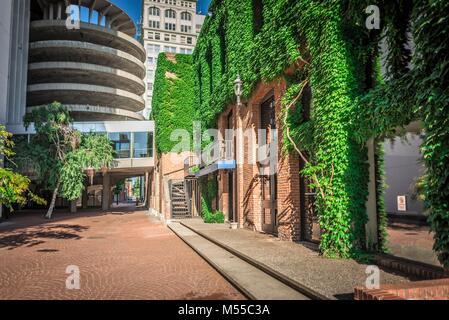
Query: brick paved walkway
[[121, 255]]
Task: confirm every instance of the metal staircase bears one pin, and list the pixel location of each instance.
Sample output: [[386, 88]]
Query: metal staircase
[[179, 207]]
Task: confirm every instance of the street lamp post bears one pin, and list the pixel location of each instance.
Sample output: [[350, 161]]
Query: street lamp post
[[238, 89]]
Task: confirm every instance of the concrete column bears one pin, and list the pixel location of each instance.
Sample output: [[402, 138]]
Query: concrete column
[[60, 5], [73, 207], [18, 63], [371, 204], [52, 11], [106, 198]]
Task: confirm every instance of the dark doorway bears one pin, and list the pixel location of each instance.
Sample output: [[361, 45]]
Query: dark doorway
[[231, 174], [231, 196], [310, 224], [268, 170]]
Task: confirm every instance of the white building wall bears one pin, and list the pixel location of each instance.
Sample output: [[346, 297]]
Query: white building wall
[[5, 40], [158, 39], [14, 33]]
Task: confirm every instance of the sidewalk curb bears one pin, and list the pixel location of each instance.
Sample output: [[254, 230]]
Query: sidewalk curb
[[268, 270], [227, 276]]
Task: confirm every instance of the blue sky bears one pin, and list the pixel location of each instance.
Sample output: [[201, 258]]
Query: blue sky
[[133, 7]]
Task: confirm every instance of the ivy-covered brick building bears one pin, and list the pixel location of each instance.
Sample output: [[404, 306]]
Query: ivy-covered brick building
[[312, 71]]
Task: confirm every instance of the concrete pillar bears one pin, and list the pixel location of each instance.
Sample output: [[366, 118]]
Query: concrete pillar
[[52, 11], [73, 207], [371, 204], [106, 198], [60, 5], [18, 62]]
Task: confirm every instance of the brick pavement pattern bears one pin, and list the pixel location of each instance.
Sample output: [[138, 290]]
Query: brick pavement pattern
[[121, 255]]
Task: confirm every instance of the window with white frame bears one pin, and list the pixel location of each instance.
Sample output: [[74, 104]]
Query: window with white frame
[[154, 24], [170, 26], [186, 16], [170, 49], [153, 11], [186, 29], [170, 14], [185, 51]]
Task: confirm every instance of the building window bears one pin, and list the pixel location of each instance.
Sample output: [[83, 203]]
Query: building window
[[143, 145], [170, 49], [223, 46], [121, 142], [185, 51], [150, 74], [170, 14], [173, 38], [183, 40], [153, 11], [153, 49], [170, 26], [257, 16], [186, 29], [189, 40], [154, 24], [167, 37], [186, 16], [157, 36]]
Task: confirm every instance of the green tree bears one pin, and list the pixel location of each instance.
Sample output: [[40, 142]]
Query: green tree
[[14, 187], [60, 154], [119, 188]]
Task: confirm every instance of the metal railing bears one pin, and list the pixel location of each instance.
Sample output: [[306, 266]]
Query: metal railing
[[225, 153]]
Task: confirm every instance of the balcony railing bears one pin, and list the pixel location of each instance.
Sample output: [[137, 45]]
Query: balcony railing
[[225, 152]]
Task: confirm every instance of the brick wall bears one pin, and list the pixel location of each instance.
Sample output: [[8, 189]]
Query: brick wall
[[421, 290], [248, 181], [169, 166]]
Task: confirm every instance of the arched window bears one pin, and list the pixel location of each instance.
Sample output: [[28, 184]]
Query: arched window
[[153, 11], [170, 14], [186, 16]]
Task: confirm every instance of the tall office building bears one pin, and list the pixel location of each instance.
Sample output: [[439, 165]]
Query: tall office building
[[168, 26]]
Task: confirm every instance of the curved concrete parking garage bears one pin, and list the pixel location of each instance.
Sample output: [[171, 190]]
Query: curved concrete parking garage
[[75, 93], [96, 71], [76, 72], [56, 30], [99, 113], [76, 51]]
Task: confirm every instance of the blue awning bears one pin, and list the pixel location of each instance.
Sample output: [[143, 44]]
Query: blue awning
[[219, 165]]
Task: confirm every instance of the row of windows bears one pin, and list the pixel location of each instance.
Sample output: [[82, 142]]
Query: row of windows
[[187, 4], [156, 49], [132, 145], [170, 38], [169, 13], [169, 26], [126, 145]]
